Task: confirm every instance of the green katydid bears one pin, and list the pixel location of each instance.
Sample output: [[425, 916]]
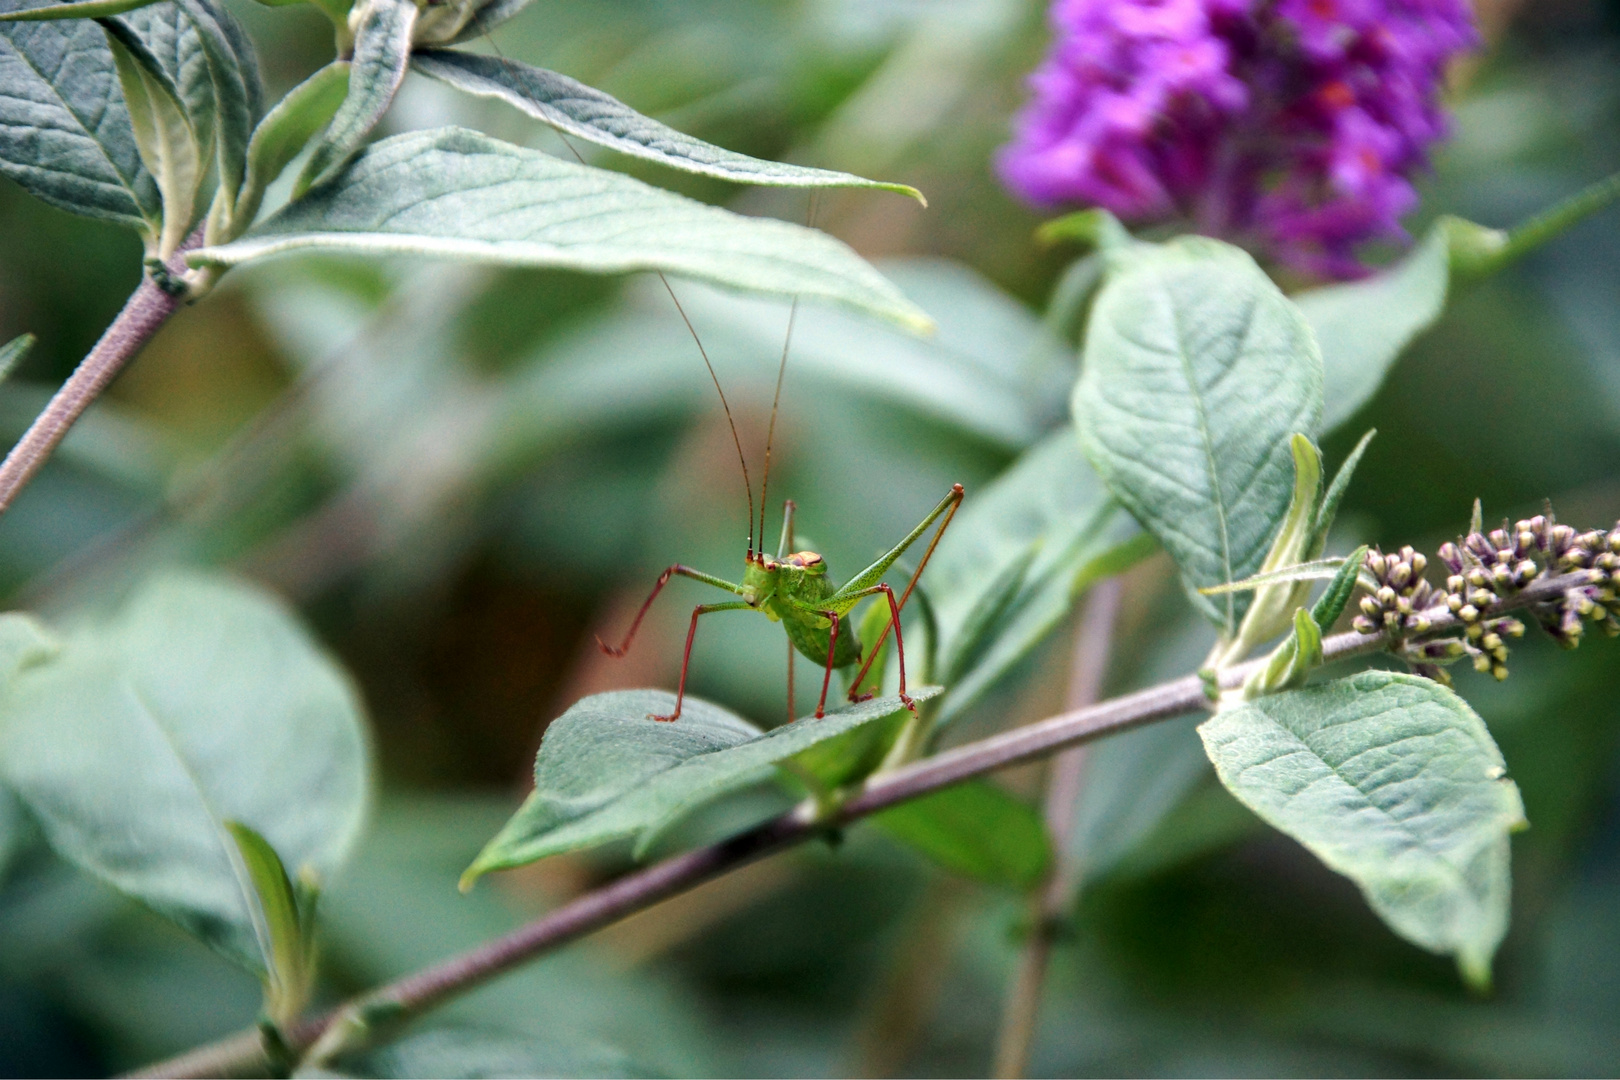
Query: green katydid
[[792, 587]]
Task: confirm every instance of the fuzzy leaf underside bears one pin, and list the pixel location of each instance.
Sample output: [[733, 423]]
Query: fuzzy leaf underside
[[382, 52], [1393, 781], [457, 193], [65, 134], [1196, 371], [199, 702], [607, 772], [575, 109]]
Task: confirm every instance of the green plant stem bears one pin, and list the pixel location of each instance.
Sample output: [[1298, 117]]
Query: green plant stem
[[1549, 224], [1055, 897], [244, 1054], [147, 309]]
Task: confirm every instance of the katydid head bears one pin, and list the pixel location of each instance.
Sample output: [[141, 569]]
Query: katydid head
[[761, 579]]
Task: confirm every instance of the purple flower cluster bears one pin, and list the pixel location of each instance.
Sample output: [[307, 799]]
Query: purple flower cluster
[[1294, 124]]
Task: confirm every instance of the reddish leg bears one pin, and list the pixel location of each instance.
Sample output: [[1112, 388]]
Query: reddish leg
[[686, 658], [618, 651], [899, 651], [826, 677]]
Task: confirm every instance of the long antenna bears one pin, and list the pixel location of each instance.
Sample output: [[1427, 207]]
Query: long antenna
[[737, 440], [776, 401], [724, 404]]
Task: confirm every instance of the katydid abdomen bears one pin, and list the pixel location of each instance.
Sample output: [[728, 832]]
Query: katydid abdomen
[[814, 640]]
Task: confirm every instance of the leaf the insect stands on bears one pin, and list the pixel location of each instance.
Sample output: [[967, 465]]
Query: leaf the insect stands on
[[607, 772], [1393, 781]]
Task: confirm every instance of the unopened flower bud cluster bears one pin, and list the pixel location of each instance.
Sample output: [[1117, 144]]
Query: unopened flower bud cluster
[[1484, 569]]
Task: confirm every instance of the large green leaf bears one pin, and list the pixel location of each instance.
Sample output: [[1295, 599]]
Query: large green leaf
[[1364, 326], [1393, 781], [458, 193], [458, 1050], [576, 109], [1195, 372], [382, 51], [284, 132], [65, 134], [1016, 559], [237, 94], [163, 131], [606, 771], [201, 701], [975, 829]]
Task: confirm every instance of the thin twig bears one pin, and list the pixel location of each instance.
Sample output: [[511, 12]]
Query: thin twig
[[1052, 901], [244, 1054], [147, 309]]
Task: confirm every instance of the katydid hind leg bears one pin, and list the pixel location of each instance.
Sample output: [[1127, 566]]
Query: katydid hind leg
[[899, 651], [860, 583], [686, 657], [618, 651], [951, 501]]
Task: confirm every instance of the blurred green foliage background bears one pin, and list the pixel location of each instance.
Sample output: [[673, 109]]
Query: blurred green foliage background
[[461, 475]]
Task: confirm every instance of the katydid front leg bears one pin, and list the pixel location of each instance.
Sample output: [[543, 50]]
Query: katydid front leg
[[618, 651], [832, 649], [686, 658]]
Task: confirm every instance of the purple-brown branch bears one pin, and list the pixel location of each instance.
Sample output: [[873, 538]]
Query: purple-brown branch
[[147, 309]]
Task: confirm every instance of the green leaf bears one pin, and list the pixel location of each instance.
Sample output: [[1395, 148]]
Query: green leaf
[[84, 9], [233, 74], [287, 941], [1393, 781], [1330, 605], [1364, 326], [457, 193], [1291, 662], [1315, 570], [975, 829], [579, 110], [490, 13], [382, 51], [461, 1050], [1096, 228], [1196, 371], [163, 132], [65, 134], [606, 772], [200, 701], [284, 132], [1329, 509], [1018, 556], [13, 353]]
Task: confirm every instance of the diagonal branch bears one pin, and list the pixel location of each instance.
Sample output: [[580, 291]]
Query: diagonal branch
[[147, 309], [246, 1054]]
